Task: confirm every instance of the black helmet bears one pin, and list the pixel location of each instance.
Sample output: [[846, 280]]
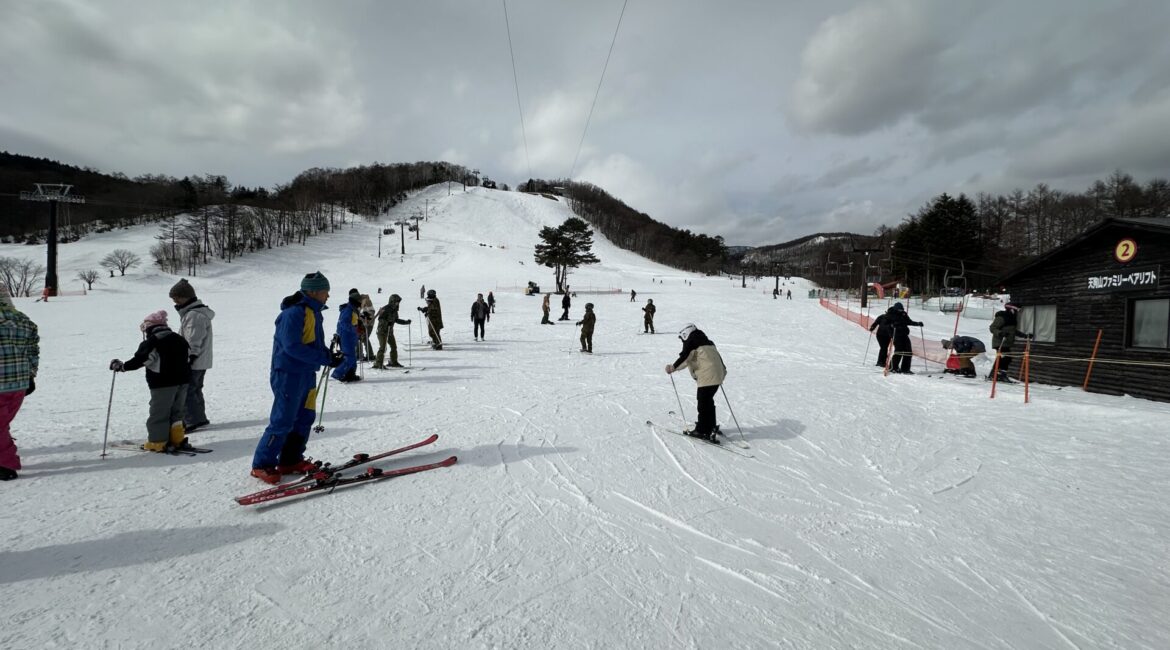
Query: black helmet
[[430, 293], [898, 307], [395, 298], [588, 305]]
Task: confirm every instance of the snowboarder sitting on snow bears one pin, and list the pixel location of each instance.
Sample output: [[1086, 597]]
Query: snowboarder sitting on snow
[[165, 355], [885, 332], [347, 329], [387, 317], [648, 319], [298, 352], [903, 351], [966, 348], [706, 365], [587, 323], [433, 312]]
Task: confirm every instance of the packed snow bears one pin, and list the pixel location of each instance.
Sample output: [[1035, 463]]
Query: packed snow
[[874, 512]]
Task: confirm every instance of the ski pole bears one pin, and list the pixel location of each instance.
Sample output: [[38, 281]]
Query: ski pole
[[321, 416], [866, 356], [409, 345], [733, 418], [923, 338], [680, 406], [109, 409]]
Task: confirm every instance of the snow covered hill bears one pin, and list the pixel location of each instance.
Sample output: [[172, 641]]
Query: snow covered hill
[[875, 512]]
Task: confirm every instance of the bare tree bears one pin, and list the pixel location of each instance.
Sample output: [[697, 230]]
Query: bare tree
[[121, 259], [89, 276], [19, 275]]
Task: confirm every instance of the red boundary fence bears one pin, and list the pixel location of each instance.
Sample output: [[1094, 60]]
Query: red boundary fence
[[932, 351]]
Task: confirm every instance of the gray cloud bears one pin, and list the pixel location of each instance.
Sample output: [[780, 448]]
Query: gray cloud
[[758, 121]]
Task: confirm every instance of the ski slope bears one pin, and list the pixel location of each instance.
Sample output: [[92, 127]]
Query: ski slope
[[876, 512]]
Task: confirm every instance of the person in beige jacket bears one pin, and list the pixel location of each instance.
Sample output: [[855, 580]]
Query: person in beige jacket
[[702, 358]]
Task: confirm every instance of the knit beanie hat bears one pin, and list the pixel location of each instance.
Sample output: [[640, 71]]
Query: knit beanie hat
[[157, 318], [5, 299], [314, 282], [182, 290]]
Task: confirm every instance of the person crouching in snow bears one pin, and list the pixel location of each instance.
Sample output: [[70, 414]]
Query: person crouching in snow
[[164, 354], [706, 365], [298, 352], [347, 330]]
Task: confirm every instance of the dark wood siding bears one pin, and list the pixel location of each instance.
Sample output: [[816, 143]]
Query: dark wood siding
[[1062, 281]]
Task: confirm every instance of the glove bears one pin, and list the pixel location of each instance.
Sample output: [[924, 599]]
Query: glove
[[336, 358], [408, 321], [32, 386], [669, 368], [116, 365], [191, 358], [422, 308], [578, 323]]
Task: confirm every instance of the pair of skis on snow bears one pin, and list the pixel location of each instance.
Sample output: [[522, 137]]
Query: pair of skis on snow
[[329, 477], [704, 441]]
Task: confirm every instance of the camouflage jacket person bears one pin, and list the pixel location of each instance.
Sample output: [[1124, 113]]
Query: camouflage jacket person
[[588, 321], [1003, 328], [388, 316]]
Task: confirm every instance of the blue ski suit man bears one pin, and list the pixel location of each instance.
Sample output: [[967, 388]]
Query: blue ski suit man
[[298, 352], [347, 330]]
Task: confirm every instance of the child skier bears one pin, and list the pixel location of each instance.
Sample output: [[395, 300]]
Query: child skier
[[164, 354], [706, 365]]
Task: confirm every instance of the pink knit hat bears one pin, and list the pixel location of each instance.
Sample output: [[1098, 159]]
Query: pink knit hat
[[157, 318]]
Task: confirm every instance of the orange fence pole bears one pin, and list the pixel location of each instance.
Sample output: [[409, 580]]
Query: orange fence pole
[[995, 373], [1089, 370], [1027, 366]]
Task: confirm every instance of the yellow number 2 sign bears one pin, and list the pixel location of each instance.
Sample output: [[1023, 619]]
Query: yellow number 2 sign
[[1126, 250]]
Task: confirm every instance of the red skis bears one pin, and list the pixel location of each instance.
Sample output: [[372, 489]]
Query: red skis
[[326, 476]]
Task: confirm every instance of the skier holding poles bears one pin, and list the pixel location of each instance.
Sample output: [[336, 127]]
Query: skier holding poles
[[702, 358]]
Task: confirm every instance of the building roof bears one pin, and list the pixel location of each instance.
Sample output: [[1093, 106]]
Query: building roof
[[1160, 225]]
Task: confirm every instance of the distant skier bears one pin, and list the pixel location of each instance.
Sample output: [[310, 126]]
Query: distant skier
[[491, 301], [164, 354], [648, 317], [347, 331], [545, 309], [196, 328], [298, 352], [885, 332], [479, 316], [565, 307], [633, 295], [433, 312], [903, 350], [387, 317], [21, 352], [365, 329], [587, 322], [422, 292], [775, 293], [790, 294], [702, 358]]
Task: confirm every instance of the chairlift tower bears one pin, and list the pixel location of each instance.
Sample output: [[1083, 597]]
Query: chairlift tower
[[52, 193], [865, 274]]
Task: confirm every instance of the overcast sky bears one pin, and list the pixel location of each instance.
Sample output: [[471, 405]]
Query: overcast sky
[[757, 120]]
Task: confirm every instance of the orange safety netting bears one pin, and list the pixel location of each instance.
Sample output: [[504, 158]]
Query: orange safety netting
[[931, 350]]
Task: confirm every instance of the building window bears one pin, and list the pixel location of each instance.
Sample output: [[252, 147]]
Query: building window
[[1149, 323], [1039, 321]]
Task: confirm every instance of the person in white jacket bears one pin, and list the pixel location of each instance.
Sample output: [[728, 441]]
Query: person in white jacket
[[196, 328], [706, 365]]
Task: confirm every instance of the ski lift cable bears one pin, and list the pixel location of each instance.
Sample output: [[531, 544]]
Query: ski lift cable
[[516, 85], [597, 93]]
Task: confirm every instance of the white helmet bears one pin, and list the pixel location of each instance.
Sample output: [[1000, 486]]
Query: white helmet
[[685, 332]]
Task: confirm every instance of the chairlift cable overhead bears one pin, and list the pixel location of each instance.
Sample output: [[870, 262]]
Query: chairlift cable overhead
[[516, 84], [597, 93]]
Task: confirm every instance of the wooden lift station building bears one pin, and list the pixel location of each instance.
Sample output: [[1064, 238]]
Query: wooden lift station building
[[1108, 279]]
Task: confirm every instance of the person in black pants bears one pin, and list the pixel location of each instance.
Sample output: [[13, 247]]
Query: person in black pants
[[565, 306], [885, 332], [903, 352]]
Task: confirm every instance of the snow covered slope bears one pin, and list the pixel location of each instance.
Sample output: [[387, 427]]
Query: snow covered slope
[[876, 512]]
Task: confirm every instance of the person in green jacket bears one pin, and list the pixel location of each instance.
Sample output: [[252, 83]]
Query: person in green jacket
[[1003, 335], [387, 317], [586, 323], [433, 312]]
